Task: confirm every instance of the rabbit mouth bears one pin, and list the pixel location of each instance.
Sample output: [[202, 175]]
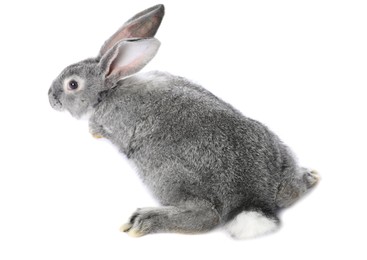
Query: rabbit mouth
[[56, 103]]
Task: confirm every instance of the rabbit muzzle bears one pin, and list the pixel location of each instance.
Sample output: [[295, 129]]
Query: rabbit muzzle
[[54, 99]]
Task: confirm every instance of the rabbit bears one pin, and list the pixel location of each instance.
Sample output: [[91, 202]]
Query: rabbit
[[207, 164]]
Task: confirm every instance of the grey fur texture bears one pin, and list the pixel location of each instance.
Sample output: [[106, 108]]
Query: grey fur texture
[[202, 159]]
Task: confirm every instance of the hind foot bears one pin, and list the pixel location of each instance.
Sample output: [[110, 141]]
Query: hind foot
[[188, 218], [311, 178], [294, 187]]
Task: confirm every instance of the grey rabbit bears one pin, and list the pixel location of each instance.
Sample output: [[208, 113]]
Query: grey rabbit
[[206, 163]]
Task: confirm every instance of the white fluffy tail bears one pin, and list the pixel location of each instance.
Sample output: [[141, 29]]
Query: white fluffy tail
[[249, 224]]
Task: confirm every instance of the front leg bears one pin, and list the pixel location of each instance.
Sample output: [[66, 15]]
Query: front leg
[[96, 130], [182, 219]]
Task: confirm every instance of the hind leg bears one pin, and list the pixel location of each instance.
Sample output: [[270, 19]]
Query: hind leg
[[295, 186], [249, 224], [181, 219]]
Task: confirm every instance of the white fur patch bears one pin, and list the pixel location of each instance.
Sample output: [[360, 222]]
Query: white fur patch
[[250, 224]]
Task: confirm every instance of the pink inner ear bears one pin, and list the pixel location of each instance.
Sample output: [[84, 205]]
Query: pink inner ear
[[131, 56], [121, 70]]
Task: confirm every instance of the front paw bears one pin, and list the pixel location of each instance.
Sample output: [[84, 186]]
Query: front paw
[[97, 136], [95, 133], [96, 130], [142, 222]]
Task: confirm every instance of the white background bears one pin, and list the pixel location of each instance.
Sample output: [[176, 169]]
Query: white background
[[297, 66]]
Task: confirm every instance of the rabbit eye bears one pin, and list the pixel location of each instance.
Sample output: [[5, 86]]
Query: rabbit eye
[[73, 85]]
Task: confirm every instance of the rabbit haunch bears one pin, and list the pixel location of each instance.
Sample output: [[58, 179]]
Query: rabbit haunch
[[206, 163]]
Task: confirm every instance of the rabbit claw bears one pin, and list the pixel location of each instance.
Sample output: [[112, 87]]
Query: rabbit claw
[[133, 232], [97, 136], [126, 227], [141, 223]]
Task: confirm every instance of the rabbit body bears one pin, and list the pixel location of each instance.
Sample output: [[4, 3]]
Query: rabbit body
[[189, 145], [206, 163]]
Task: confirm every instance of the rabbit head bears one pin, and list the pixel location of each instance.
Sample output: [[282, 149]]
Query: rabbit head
[[77, 89]]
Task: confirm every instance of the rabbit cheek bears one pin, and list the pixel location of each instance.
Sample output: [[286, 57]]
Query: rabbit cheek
[[77, 106]]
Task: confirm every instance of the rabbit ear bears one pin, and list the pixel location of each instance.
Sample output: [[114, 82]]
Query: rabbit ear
[[128, 57], [143, 25]]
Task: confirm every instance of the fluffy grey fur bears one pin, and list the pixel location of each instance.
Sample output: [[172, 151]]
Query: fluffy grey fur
[[202, 159]]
